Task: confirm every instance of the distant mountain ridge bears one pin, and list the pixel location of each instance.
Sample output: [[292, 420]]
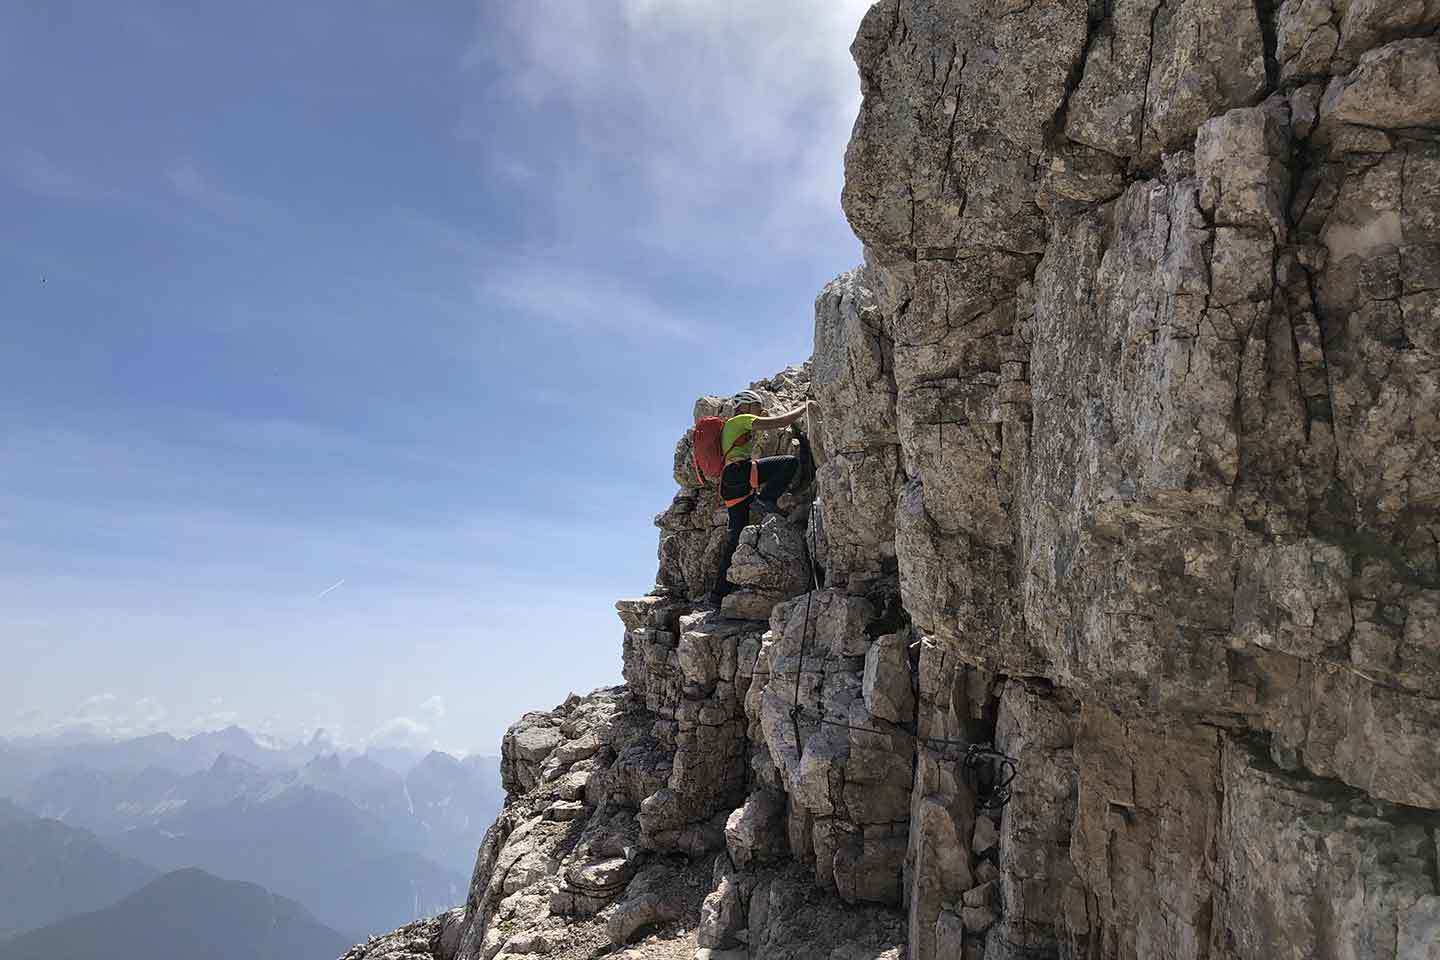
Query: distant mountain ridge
[[181, 916], [28, 758], [441, 808], [403, 840], [356, 871], [49, 870]]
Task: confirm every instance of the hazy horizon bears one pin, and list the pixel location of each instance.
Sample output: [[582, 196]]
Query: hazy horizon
[[81, 734]]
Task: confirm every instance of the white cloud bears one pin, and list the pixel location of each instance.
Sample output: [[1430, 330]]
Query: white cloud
[[402, 733], [108, 715], [409, 733], [747, 102], [217, 720]]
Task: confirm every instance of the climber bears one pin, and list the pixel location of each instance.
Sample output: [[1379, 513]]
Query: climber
[[744, 480]]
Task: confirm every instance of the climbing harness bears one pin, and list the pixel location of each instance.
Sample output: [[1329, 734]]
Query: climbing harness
[[754, 484]]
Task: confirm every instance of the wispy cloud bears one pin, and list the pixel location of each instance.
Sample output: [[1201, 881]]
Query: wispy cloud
[[204, 191], [545, 283], [409, 733], [404, 733], [215, 720], [39, 175], [576, 299], [735, 103], [110, 715]]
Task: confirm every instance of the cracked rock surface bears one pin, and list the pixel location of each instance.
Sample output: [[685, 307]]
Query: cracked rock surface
[[1128, 464]]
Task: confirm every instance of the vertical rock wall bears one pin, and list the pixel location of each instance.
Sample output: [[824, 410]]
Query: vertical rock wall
[[1160, 285]]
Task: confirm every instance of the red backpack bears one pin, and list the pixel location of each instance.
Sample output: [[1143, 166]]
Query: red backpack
[[708, 456]]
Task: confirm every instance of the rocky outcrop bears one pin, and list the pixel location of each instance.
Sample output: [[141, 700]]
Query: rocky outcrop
[[1128, 468]]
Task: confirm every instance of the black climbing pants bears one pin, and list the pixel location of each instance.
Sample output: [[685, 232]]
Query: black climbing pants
[[776, 475]]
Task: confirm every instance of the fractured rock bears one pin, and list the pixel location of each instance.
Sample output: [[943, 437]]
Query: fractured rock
[[755, 832], [887, 679]]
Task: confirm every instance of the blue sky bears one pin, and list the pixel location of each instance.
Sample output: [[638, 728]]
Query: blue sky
[[344, 345]]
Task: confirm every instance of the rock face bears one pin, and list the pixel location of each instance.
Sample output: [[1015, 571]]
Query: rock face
[[1165, 395], [1128, 466]]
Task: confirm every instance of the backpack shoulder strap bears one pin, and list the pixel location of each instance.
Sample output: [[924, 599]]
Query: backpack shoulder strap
[[739, 441]]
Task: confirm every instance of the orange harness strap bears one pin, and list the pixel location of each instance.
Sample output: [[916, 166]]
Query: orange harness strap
[[754, 485]]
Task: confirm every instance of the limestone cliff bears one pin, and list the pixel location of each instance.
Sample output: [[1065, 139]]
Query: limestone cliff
[[1129, 459]]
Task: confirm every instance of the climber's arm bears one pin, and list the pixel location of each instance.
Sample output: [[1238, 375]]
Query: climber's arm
[[782, 421]]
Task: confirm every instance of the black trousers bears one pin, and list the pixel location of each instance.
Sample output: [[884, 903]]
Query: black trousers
[[776, 475]]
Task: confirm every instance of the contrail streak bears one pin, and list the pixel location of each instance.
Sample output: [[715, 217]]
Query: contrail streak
[[329, 588]]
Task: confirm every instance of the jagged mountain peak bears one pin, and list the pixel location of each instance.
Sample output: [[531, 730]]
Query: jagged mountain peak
[[229, 763]]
